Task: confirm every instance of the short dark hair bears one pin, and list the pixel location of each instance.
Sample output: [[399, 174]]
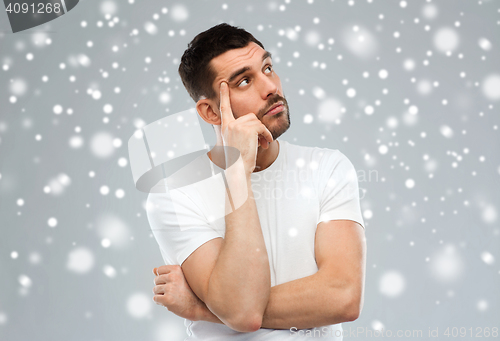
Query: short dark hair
[[197, 74]]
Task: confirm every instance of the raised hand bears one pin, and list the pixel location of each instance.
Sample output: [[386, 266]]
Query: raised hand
[[246, 133]]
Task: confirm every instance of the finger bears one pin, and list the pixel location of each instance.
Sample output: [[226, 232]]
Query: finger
[[256, 126], [264, 132], [155, 271], [158, 299], [250, 117], [162, 279], [263, 142], [159, 289], [261, 139], [225, 104], [261, 130], [165, 269]]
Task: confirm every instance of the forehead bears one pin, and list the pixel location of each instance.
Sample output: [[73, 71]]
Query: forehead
[[234, 59]]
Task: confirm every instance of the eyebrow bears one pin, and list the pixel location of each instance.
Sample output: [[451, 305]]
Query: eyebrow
[[246, 68]]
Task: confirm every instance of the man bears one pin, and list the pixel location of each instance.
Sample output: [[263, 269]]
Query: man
[[289, 260]]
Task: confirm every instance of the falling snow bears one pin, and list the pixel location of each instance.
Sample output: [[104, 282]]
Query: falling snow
[[139, 305], [409, 91], [80, 260], [392, 284]]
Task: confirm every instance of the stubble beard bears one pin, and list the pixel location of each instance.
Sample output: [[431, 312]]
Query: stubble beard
[[279, 128]]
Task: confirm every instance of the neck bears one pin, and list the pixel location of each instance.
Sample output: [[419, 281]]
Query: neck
[[265, 157]]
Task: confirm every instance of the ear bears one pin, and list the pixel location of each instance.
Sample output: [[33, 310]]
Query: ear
[[205, 108]]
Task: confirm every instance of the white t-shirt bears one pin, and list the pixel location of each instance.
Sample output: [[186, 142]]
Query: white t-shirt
[[301, 188]]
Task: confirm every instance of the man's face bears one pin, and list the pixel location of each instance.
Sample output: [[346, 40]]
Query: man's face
[[254, 90]]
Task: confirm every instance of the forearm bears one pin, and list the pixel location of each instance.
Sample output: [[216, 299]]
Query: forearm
[[306, 303], [302, 303], [240, 283]]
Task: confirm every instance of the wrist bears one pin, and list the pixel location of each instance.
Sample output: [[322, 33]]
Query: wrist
[[200, 313], [239, 182], [204, 314]]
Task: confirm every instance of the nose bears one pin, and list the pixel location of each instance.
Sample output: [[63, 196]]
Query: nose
[[269, 87]]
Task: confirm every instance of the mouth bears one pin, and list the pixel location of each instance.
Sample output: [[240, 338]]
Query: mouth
[[276, 108]]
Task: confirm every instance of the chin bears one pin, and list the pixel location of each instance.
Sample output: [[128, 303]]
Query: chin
[[280, 128]]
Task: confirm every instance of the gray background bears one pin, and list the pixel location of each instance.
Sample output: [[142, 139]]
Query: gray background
[[433, 248]]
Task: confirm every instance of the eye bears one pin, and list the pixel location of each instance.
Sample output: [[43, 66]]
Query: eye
[[244, 80]]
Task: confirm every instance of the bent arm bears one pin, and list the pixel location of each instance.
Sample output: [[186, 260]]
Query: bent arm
[[302, 303], [332, 295], [234, 279]]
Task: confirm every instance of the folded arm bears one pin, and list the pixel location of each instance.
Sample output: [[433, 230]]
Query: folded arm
[[334, 294]]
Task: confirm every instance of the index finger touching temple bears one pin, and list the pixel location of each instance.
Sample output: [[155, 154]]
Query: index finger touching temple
[[225, 105]]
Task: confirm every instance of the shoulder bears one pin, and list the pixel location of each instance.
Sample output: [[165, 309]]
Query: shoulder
[[157, 205], [328, 162], [158, 195], [165, 202], [321, 155]]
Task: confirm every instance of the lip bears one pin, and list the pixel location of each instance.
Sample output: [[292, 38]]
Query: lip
[[279, 106]]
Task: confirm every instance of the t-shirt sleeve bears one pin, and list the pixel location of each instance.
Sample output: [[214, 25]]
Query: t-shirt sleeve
[[339, 189], [178, 225]]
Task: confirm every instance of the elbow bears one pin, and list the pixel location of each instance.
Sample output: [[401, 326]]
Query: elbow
[[352, 315], [353, 308], [246, 323], [241, 320]]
